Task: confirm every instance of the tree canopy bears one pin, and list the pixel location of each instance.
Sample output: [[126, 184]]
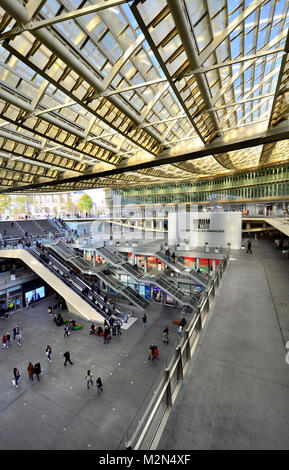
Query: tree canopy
[[85, 203]]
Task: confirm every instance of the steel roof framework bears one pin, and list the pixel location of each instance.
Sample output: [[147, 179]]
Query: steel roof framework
[[100, 94]]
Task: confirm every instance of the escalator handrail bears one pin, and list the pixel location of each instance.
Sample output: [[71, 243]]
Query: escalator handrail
[[77, 279], [65, 281]]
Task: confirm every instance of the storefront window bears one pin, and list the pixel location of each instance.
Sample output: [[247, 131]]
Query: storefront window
[[14, 298]]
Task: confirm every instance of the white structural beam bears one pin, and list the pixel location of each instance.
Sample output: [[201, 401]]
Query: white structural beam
[[246, 65], [36, 25], [249, 137], [20, 14], [213, 45]]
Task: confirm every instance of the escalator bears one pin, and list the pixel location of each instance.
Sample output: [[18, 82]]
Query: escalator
[[70, 256], [165, 284], [180, 268], [81, 283], [75, 300], [118, 261]]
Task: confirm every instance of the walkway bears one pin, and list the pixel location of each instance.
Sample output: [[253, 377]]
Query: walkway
[[59, 412], [236, 391]]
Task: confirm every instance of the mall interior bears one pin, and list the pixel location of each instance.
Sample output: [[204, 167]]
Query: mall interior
[[173, 290]]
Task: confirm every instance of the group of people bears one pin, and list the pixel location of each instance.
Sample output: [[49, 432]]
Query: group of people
[[68, 327], [168, 254], [58, 319], [6, 338], [89, 381], [106, 272], [111, 327], [5, 310], [34, 370], [153, 353]]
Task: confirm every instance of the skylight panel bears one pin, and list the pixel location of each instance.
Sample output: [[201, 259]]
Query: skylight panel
[[50, 8], [261, 39], [202, 33], [234, 15], [111, 47], [249, 38]]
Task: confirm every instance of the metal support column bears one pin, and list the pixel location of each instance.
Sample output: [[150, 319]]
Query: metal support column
[[180, 364], [169, 388]]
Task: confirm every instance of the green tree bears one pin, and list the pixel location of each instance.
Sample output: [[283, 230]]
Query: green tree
[[20, 205], [5, 203], [70, 206], [85, 203]]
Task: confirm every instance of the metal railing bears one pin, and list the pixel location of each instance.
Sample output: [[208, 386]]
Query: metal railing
[[199, 277], [145, 429], [170, 261], [112, 256], [34, 253], [128, 268], [81, 281], [165, 283]]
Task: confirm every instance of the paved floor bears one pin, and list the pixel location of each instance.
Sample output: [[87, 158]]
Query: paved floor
[[236, 391], [59, 412]]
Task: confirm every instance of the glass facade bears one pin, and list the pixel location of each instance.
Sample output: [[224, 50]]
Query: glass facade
[[266, 183]]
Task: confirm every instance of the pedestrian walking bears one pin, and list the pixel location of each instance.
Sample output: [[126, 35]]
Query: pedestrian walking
[[4, 341], [30, 370], [180, 330], [156, 354], [249, 244], [66, 331], [118, 328], [151, 353], [89, 380], [165, 337], [37, 370], [66, 355], [19, 337], [106, 335], [48, 352], [99, 385], [27, 304], [17, 375], [144, 319], [8, 339], [15, 331]]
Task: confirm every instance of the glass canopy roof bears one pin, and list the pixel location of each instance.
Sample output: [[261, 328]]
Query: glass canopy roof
[[123, 93]]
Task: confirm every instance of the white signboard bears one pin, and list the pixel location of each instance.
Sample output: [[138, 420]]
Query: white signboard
[[195, 229]]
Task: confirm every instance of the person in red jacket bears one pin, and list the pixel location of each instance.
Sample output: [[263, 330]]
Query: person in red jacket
[[4, 341], [156, 354]]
